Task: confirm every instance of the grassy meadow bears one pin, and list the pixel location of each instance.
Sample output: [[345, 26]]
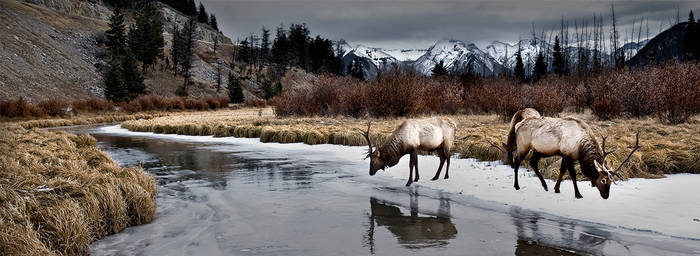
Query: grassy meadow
[[666, 148], [59, 193]]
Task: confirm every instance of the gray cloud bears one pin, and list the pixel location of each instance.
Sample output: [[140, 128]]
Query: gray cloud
[[417, 24]]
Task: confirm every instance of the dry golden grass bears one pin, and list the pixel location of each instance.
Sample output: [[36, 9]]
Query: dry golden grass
[[84, 120], [666, 148], [59, 192]]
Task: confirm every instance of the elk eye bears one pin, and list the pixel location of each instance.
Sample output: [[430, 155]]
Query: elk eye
[[603, 181]]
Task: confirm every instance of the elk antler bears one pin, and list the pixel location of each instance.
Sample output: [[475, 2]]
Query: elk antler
[[605, 154], [635, 148], [366, 135]]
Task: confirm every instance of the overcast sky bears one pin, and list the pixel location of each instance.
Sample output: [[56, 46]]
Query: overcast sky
[[419, 23]]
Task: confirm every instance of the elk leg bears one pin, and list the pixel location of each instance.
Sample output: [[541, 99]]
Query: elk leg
[[572, 173], [447, 170], [534, 160], [414, 155], [442, 161], [562, 169], [410, 170], [516, 165]]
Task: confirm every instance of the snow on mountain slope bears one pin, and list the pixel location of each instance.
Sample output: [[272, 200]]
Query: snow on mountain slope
[[456, 55], [406, 55]]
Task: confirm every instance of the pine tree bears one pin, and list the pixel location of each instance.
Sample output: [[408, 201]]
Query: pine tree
[[280, 48], [692, 39], [265, 45], [439, 69], [132, 77], [245, 51], [146, 35], [540, 69], [235, 92], [177, 47], [212, 22], [186, 57], [115, 35], [202, 16], [299, 45], [519, 70], [356, 69], [191, 8], [558, 63], [114, 83]]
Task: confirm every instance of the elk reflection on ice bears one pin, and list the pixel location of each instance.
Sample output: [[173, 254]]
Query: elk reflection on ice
[[411, 230]]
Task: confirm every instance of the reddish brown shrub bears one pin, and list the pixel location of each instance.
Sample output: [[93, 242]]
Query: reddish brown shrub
[[54, 106], [92, 105], [606, 102], [677, 91], [216, 102], [397, 94], [19, 108], [174, 103], [255, 103], [548, 96], [131, 107], [194, 104]]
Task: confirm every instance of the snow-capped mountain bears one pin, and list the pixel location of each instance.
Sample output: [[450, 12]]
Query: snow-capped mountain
[[406, 55], [371, 59], [496, 57], [456, 55], [504, 53]]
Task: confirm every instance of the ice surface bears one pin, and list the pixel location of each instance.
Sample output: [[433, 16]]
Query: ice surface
[[668, 206]]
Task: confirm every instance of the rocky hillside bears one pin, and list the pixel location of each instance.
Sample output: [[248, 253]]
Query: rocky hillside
[[50, 52], [55, 48]]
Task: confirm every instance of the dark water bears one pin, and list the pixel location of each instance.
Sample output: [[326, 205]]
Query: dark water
[[248, 199]]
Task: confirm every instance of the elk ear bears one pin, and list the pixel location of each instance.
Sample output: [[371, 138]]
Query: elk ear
[[378, 153]]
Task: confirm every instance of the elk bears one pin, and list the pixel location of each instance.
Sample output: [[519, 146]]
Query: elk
[[429, 134], [568, 137]]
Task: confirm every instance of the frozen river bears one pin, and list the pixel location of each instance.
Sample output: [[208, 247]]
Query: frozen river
[[233, 196]]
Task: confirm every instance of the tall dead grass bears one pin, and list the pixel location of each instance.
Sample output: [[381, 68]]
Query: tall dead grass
[[666, 148], [59, 192]]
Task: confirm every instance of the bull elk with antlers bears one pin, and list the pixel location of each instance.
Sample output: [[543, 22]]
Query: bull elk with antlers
[[568, 137], [430, 134]]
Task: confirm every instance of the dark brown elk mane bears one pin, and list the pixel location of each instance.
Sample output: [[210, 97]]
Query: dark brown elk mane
[[590, 152], [391, 152]]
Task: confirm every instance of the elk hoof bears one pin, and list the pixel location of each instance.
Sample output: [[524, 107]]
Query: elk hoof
[[408, 183], [416, 179], [435, 178], [516, 187], [578, 196], [447, 177], [546, 189], [556, 190]]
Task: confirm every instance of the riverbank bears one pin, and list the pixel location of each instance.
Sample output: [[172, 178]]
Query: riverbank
[[667, 149], [59, 192], [89, 119]]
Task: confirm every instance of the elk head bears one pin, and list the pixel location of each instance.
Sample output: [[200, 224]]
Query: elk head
[[605, 175], [375, 161]]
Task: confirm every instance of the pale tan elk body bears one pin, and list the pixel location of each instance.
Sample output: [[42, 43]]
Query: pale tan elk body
[[568, 137], [429, 134]]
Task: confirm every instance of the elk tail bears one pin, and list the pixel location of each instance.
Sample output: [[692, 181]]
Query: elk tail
[[517, 118]]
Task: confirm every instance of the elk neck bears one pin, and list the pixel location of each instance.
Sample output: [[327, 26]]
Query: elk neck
[[589, 153], [392, 151]]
